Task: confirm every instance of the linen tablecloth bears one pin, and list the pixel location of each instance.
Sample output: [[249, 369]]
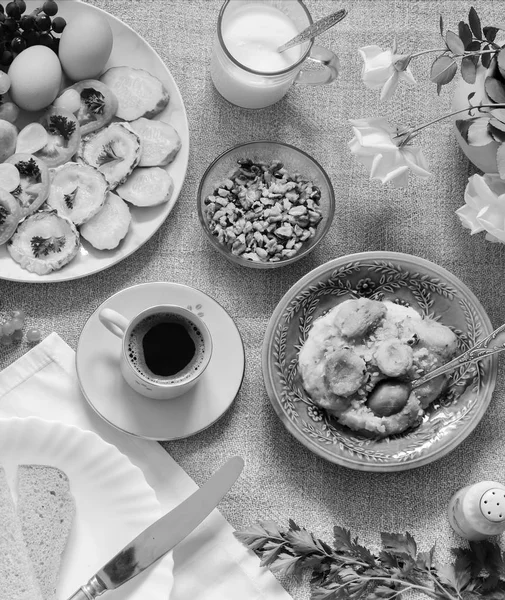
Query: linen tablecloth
[[282, 479]]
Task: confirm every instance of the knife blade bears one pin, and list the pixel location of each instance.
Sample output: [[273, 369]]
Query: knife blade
[[165, 533]]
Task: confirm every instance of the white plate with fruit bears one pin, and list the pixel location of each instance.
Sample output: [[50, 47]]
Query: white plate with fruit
[[94, 141]]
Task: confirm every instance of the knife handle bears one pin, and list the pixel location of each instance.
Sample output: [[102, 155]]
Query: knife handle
[[90, 591]]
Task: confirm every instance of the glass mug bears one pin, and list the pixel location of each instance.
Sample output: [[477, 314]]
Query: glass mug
[[165, 349], [253, 83]]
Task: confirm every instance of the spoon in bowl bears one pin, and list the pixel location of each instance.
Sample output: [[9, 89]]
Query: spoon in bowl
[[391, 395], [315, 29]]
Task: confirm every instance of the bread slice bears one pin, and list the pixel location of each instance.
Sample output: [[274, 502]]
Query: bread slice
[[46, 510], [17, 576]]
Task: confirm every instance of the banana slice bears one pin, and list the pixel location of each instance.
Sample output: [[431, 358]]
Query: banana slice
[[139, 93], [44, 242], [10, 215], [147, 186], [77, 192], [114, 150], [160, 142], [106, 229], [34, 184]]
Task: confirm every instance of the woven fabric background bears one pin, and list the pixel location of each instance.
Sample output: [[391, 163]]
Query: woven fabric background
[[282, 479]]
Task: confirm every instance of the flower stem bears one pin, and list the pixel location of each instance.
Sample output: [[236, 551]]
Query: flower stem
[[410, 133], [416, 54], [408, 586]]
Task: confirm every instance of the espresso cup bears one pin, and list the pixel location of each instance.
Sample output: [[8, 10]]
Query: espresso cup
[[246, 68], [165, 349]]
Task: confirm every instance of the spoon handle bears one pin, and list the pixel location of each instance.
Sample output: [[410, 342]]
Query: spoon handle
[[315, 29], [482, 349]]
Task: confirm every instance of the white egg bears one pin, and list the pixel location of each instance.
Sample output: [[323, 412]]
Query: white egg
[[35, 77], [85, 46]]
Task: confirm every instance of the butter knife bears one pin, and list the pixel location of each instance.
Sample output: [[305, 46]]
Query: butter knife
[[314, 30], [165, 533]]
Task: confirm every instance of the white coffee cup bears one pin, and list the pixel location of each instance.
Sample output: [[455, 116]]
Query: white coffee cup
[[144, 349]]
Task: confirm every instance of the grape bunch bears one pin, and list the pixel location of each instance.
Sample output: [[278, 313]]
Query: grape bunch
[[19, 31], [11, 329]]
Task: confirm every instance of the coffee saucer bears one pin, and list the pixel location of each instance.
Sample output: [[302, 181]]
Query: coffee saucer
[[97, 363]]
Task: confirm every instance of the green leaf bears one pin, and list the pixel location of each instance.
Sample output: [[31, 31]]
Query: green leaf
[[398, 544], [454, 43], [501, 61], [425, 559], [269, 556], [342, 539], [443, 70], [486, 58], [302, 542], [494, 89], [490, 33], [271, 528], [253, 538], [474, 46], [469, 68], [465, 33], [474, 20], [441, 25], [285, 565]]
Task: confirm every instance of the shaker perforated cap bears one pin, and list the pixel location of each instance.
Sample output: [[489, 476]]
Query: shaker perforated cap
[[492, 505]]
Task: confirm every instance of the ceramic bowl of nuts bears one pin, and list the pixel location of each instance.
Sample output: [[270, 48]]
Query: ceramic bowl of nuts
[[265, 204]]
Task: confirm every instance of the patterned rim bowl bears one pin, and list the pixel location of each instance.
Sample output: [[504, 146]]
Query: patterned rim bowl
[[429, 289]]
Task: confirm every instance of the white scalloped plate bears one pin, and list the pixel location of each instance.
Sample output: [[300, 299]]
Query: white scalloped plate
[[114, 502], [132, 50]]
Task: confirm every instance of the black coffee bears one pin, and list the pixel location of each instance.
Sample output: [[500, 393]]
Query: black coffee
[[166, 347]]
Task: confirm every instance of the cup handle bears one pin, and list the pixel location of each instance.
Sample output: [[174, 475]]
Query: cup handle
[[331, 65], [115, 323]]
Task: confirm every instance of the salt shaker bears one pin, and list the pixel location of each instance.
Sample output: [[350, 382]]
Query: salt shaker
[[478, 511]]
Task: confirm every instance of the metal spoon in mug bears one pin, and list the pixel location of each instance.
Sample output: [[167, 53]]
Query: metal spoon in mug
[[315, 29]]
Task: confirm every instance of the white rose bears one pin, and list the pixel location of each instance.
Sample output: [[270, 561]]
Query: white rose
[[379, 71]]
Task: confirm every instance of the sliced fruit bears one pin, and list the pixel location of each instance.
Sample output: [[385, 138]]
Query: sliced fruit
[[70, 100], [44, 242], [114, 150], [10, 215], [345, 372], [8, 138], [393, 357], [97, 104], [63, 136], [32, 138], [160, 142], [9, 177], [139, 93], [147, 186], [106, 229], [77, 192], [34, 184], [8, 111]]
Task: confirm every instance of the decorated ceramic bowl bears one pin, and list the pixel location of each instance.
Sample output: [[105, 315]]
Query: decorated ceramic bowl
[[430, 290], [295, 227]]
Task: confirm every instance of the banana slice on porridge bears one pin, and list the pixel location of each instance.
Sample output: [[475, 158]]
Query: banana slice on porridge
[[147, 186], [10, 215], [114, 150], [43, 242], [33, 187], [107, 228], [77, 192]]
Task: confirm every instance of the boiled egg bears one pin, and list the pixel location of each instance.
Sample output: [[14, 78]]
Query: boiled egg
[[85, 46], [35, 77]]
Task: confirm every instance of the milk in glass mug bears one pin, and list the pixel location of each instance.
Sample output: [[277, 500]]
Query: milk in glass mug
[[246, 68]]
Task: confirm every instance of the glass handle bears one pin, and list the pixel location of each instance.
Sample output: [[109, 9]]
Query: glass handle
[[331, 65]]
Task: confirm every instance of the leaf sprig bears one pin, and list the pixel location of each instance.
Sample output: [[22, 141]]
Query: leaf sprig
[[350, 571], [472, 43], [43, 246]]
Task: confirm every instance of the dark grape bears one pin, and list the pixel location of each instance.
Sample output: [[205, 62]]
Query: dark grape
[[13, 10], [17, 336], [59, 24], [21, 4], [46, 39], [50, 8], [43, 22], [27, 22], [1, 8], [31, 37], [6, 58], [18, 44], [10, 25]]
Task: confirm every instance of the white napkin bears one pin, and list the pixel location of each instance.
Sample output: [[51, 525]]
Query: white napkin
[[210, 564]]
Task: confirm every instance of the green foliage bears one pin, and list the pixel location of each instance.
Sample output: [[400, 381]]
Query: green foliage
[[350, 571]]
